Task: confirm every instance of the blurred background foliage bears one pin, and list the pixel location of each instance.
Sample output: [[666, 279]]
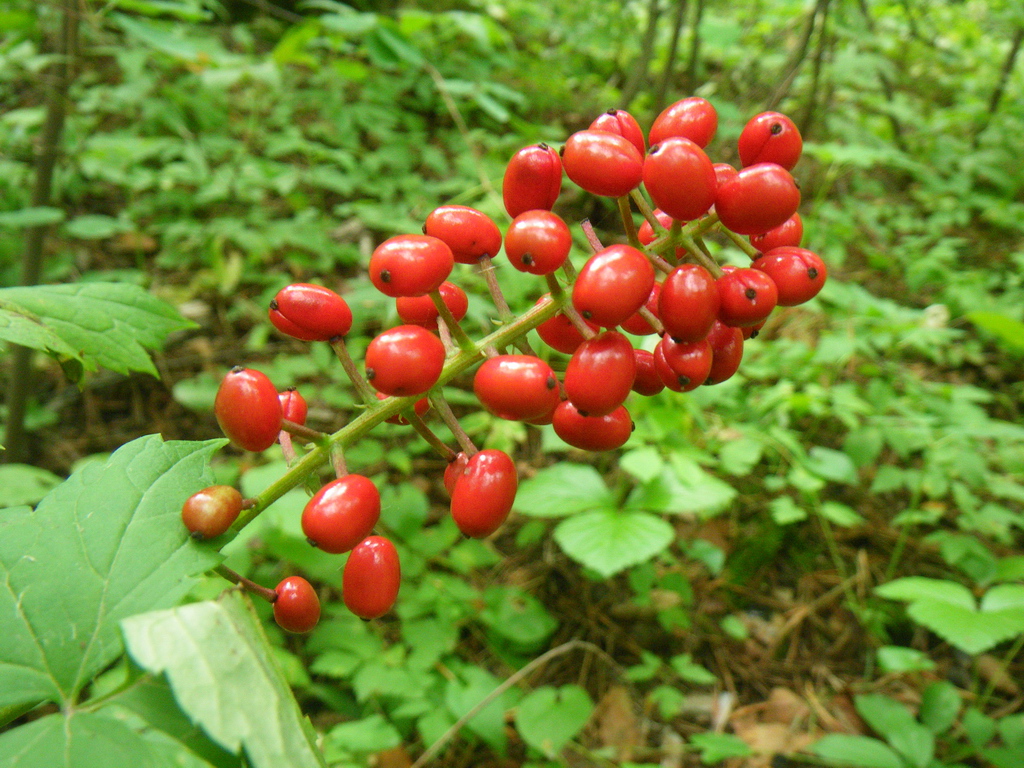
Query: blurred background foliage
[[215, 150]]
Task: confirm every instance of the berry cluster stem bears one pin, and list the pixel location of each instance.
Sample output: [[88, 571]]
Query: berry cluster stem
[[248, 585], [363, 388]]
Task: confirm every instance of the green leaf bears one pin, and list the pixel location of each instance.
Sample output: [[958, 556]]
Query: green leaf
[[24, 484], [644, 464], [105, 324], [21, 327], [716, 747], [549, 717], [220, 667], [840, 514], [462, 696], [75, 740], [1010, 332], [31, 217], [980, 728], [95, 227], [921, 588], [609, 541], [893, 659], [367, 736], [940, 705], [831, 465], [739, 457], [691, 671], [517, 616], [105, 544], [698, 491], [562, 489], [857, 751], [895, 724]]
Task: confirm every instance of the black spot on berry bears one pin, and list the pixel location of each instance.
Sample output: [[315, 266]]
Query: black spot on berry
[[273, 304], [684, 381], [238, 369], [612, 112], [632, 426], [385, 276], [776, 129], [197, 535], [750, 293], [754, 334], [587, 314], [527, 259], [584, 414], [654, 150], [542, 145], [370, 373], [561, 151], [312, 543], [551, 383], [423, 229], [812, 272]]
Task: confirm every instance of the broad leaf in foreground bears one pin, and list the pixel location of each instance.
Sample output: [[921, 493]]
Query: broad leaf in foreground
[[610, 540], [219, 665], [105, 544], [102, 324]]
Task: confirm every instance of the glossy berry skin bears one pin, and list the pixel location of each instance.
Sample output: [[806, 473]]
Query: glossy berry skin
[[747, 296], [680, 178], [770, 137], [559, 333], [210, 512], [297, 607], [760, 197], [688, 304], [410, 265], [516, 387], [620, 122], [420, 407], [341, 514], [533, 180], [799, 274], [371, 578], [613, 284], [248, 409], [788, 233], [421, 310], [454, 471], [636, 323], [693, 118], [537, 242], [726, 352], [470, 234], [592, 433], [604, 164], [683, 367], [293, 406], [647, 235], [723, 173], [403, 361], [647, 381], [310, 312], [484, 493], [600, 374]]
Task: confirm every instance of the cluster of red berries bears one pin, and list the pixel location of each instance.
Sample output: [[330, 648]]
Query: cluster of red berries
[[662, 282]]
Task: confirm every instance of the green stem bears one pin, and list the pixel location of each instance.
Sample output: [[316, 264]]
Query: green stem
[[742, 243], [646, 210], [568, 309], [448, 417], [363, 389], [627, 221], [1010, 655], [379, 410], [428, 435], [248, 585], [464, 342], [302, 432]]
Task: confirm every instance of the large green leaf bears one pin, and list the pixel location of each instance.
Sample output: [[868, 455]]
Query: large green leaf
[[860, 751], [549, 717], [610, 540], [102, 324], [561, 490], [105, 544], [223, 675]]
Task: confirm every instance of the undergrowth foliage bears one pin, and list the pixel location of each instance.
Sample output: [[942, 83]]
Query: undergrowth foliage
[[830, 529]]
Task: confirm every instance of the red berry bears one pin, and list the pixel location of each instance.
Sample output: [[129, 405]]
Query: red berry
[[770, 137], [310, 312], [797, 272], [647, 381], [420, 407], [533, 179], [682, 366], [293, 406], [421, 310], [688, 304], [410, 265], [636, 323], [620, 122], [723, 173], [592, 433], [484, 493], [680, 178], [371, 578], [788, 233], [516, 387], [454, 471], [297, 607], [613, 284], [537, 242], [559, 333], [471, 234], [602, 163], [727, 352], [600, 374], [759, 198], [647, 235], [747, 295], [248, 409], [693, 118], [341, 514], [403, 361], [211, 511]]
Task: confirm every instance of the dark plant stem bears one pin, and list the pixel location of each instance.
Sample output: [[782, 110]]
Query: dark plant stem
[[638, 75], [427, 434], [363, 389], [670, 63], [1000, 89], [448, 417], [57, 82], [248, 585]]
